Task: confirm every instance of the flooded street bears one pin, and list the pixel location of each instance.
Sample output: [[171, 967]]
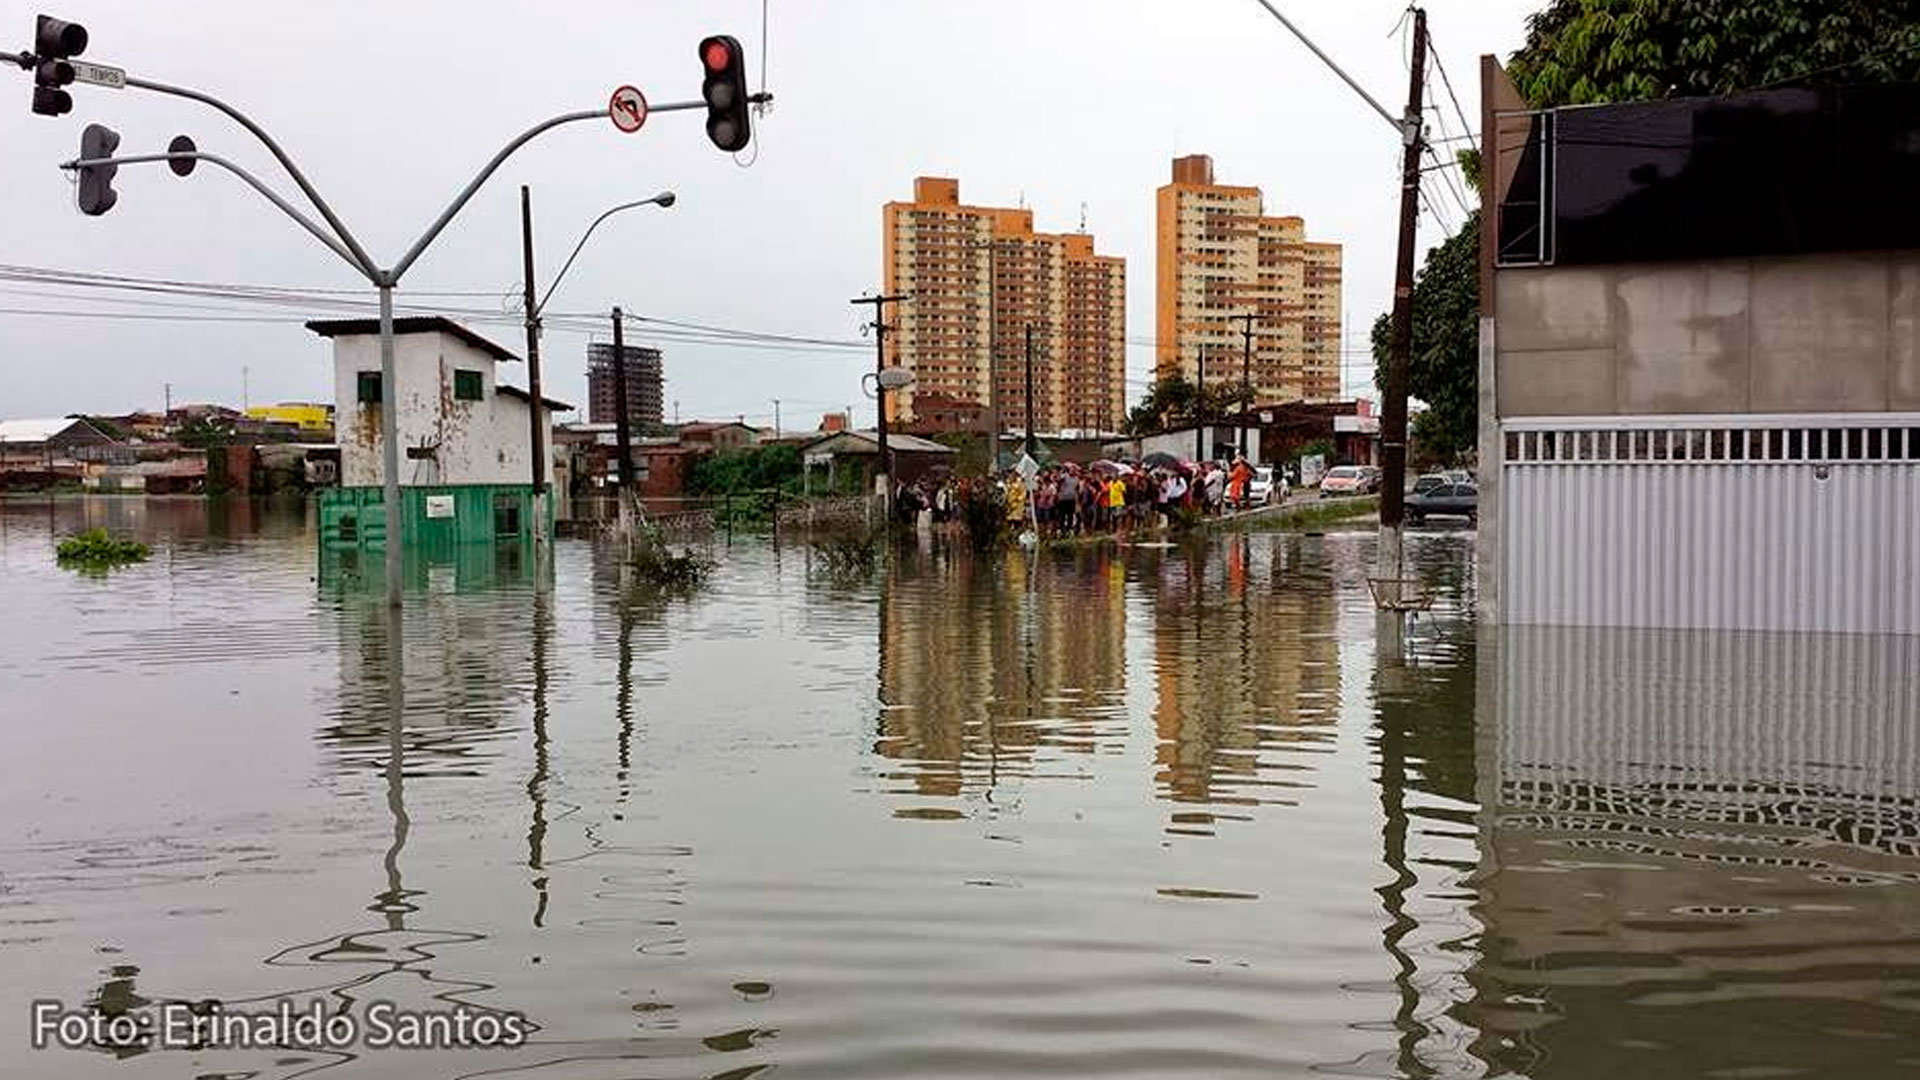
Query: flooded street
[[1147, 812]]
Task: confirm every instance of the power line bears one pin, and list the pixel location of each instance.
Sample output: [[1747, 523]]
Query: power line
[[1466, 126]]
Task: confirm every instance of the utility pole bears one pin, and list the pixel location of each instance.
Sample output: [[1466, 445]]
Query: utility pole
[[1032, 446], [622, 431], [1393, 420], [536, 453], [245, 391], [1200, 404], [1245, 320], [993, 359], [776, 418], [879, 389]]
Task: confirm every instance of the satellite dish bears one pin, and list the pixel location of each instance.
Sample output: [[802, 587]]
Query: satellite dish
[[895, 378]]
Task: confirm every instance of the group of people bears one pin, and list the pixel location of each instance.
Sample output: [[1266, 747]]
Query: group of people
[[1077, 500]]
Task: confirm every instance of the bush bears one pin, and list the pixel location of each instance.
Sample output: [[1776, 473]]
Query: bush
[[849, 553], [97, 550], [658, 565], [983, 513]]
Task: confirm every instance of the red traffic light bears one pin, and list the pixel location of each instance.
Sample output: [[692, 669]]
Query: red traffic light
[[57, 38], [717, 55]]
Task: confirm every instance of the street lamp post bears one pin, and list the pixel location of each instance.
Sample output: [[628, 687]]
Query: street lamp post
[[533, 310]]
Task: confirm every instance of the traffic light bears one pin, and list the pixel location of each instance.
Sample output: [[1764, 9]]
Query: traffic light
[[725, 92], [96, 181], [55, 41]]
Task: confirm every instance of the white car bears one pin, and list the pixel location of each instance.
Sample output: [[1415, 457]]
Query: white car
[[1262, 489]]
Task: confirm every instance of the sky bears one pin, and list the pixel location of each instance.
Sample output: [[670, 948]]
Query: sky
[[1070, 107]]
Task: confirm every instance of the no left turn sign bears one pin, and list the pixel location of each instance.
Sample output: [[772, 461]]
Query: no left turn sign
[[628, 108]]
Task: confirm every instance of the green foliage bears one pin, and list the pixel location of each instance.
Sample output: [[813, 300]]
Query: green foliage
[[1444, 370], [658, 565], [1171, 402], [1321, 448], [983, 513], [202, 432], [98, 551], [1583, 52], [758, 468], [848, 553]]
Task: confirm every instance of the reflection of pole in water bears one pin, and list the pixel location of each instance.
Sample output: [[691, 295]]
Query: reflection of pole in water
[[537, 783], [623, 692], [394, 901], [1391, 679]]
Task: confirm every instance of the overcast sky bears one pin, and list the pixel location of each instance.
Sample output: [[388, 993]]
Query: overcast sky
[[391, 107]]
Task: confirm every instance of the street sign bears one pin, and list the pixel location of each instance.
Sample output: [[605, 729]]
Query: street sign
[[1029, 469], [628, 108], [112, 78]]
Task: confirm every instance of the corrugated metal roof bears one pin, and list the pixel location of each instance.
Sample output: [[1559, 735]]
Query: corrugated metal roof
[[33, 431]]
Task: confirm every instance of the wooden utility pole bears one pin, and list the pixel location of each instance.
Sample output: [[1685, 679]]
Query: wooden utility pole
[[1033, 445], [1245, 319], [536, 451], [1200, 404], [1393, 419], [879, 325]]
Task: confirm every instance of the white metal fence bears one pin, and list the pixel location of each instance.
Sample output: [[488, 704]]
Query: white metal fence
[[1722, 522]]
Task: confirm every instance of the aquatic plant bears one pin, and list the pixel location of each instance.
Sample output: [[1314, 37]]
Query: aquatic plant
[[657, 564], [848, 552], [99, 551]]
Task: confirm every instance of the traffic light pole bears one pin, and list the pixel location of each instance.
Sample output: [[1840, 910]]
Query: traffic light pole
[[337, 238]]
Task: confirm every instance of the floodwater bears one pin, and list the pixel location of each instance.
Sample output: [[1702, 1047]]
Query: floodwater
[[1157, 812]]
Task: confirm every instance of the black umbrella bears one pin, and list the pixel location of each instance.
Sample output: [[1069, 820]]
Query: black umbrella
[[1160, 459]]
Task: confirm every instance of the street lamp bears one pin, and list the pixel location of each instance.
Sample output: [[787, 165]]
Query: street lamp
[[663, 200]]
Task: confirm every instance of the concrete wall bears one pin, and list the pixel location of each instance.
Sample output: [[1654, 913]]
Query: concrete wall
[[1806, 334], [477, 442]]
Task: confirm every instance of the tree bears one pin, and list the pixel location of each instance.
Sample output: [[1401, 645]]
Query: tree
[[1172, 402], [1581, 52], [1444, 370]]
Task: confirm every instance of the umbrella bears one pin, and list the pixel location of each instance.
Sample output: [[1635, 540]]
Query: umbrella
[[1160, 459], [1110, 468]]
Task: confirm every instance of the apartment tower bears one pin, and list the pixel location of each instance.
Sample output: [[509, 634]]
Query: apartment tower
[[980, 279], [1221, 257]]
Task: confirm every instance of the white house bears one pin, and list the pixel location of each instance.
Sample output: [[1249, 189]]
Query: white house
[[466, 444]]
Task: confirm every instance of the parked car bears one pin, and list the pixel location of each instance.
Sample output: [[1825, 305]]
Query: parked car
[[1448, 500], [1433, 480], [1262, 489], [1458, 476], [1348, 480]]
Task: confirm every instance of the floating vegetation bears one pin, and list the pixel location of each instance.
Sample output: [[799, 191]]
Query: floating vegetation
[[98, 551]]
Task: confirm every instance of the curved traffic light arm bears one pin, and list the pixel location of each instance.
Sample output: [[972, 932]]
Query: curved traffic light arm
[[466, 195], [319, 233], [355, 254]]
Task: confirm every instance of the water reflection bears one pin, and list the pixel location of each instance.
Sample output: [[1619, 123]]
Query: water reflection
[[1700, 855], [1146, 811]]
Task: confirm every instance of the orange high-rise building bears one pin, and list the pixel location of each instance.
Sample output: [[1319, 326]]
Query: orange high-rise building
[[1220, 257], [979, 278]]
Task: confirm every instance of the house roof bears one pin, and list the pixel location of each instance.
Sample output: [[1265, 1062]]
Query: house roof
[[516, 392], [39, 431], [866, 442], [411, 324]]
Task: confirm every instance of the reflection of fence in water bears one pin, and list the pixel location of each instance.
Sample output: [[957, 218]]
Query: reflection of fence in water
[[829, 513]]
